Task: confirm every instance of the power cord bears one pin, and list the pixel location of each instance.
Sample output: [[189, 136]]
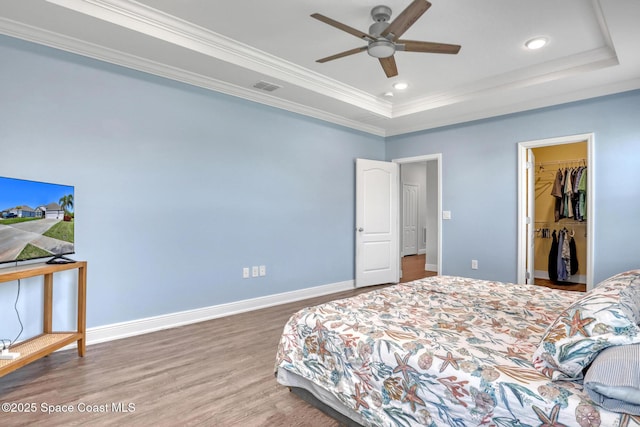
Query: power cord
[[15, 307]]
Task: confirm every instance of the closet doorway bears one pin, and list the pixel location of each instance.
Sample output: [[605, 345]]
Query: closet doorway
[[420, 225], [555, 211]]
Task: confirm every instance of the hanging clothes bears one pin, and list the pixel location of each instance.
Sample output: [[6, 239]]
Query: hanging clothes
[[563, 256], [562, 267], [553, 258], [570, 192], [556, 191], [573, 255], [582, 194], [566, 253]]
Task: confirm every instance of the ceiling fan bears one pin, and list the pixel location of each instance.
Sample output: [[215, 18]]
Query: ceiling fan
[[383, 38]]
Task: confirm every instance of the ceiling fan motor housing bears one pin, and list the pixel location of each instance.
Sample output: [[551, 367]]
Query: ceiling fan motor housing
[[381, 16], [377, 28], [381, 13]]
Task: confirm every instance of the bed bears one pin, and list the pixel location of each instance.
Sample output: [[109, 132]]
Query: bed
[[454, 351]]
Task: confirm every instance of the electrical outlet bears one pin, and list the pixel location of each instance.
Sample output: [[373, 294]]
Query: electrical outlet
[[263, 270], [474, 264], [245, 273], [446, 214], [255, 271]]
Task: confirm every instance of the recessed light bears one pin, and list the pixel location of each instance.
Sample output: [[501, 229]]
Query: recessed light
[[388, 94], [536, 43], [400, 85]]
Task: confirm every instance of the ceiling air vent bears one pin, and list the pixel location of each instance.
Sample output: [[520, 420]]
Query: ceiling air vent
[[266, 86]]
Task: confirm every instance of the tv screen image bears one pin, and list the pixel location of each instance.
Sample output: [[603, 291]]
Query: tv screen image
[[36, 220]]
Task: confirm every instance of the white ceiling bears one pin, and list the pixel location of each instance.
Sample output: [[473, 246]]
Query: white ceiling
[[229, 46]]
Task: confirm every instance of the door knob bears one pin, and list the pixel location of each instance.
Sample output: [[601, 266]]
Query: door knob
[[361, 229]]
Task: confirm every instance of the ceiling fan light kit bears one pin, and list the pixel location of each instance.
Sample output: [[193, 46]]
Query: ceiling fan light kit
[[383, 38], [381, 49]]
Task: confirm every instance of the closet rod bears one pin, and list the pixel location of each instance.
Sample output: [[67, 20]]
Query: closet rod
[[560, 162]]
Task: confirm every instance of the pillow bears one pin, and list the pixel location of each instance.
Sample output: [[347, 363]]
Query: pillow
[[630, 301], [603, 317], [613, 379]]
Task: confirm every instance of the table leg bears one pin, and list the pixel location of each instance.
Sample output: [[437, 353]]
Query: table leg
[[82, 310], [47, 327]]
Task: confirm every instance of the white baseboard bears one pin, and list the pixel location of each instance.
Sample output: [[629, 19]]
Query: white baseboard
[[151, 324], [431, 267]]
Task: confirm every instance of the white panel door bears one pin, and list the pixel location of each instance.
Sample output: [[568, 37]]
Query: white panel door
[[531, 216], [377, 228], [409, 219]]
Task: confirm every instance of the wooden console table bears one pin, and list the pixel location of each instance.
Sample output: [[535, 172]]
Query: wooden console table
[[49, 341]]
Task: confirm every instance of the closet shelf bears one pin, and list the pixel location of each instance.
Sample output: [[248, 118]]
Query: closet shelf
[[561, 223], [572, 162]]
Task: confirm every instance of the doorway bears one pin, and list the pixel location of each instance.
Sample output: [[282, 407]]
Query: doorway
[[420, 224], [541, 220]]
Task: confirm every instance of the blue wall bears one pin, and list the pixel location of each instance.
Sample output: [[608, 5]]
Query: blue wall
[[177, 188], [479, 164]]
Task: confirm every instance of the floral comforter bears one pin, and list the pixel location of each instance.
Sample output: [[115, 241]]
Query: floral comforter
[[442, 351]]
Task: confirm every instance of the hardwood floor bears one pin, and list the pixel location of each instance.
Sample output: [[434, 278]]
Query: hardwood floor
[[219, 372], [579, 287], [413, 268]]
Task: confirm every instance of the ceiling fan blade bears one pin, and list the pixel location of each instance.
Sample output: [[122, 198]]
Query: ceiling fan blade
[[430, 47], [406, 19], [343, 27], [389, 66], [342, 54]]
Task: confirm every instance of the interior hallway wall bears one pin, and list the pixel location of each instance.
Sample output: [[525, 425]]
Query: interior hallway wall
[[431, 247]]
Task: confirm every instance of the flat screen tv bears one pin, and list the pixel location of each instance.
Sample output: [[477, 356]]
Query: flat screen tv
[[36, 220]]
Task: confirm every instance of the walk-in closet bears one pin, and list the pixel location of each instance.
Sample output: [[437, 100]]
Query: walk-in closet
[[561, 216]]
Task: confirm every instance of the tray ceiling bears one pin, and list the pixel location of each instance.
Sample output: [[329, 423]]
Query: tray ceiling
[[231, 46]]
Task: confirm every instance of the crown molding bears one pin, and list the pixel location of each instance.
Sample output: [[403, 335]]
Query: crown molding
[[538, 74], [517, 107], [84, 48], [152, 22]]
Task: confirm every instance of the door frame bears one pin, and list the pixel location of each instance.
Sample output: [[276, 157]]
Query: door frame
[[530, 212], [522, 199], [426, 158]]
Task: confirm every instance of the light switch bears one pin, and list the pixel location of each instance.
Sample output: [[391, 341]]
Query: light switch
[[446, 214]]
